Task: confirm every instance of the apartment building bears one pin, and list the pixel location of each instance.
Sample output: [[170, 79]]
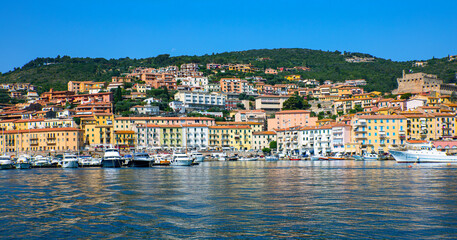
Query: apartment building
[[195, 81], [201, 100], [230, 136], [233, 85], [262, 139], [44, 139], [270, 103], [291, 118], [250, 116], [377, 133]]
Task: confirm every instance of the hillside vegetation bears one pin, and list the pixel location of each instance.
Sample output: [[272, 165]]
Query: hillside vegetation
[[380, 74]]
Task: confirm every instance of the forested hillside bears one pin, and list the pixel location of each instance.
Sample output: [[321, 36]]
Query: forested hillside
[[380, 74]]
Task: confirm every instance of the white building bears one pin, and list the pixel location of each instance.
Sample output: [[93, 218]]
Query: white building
[[145, 110], [300, 140], [195, 81], [261, 140], [201, 100], [214, 87], [177, 106], [196, 136]]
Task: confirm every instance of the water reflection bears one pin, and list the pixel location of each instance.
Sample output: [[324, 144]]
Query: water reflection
[[323, 199]]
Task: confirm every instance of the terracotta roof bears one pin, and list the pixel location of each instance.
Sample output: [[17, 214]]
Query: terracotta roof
[[229, 127], [383, 117], [292, 111], [163, 118], [238, 123], [264, 133], [43, 130]]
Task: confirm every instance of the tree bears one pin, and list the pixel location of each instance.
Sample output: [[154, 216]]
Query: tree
[[240, 106], [295, 103], [453, 97], [319, 105], [273, 145], [406, 96], [77, 120], [266, 150]]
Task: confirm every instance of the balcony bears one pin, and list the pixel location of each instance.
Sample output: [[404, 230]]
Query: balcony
[[360, 136], [361, 129], [382, 134]]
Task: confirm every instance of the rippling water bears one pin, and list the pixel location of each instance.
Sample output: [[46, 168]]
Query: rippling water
[[341, 199]]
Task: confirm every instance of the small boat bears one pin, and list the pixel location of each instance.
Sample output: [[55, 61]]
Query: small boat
[[40, 162], [272, 158], [181, 159], [248, 159], [112, 158], [232, 158], [424, 155], [161, 160], [22, 163], [88, 161], [357, 157], [69, 161], [141, 160], [5, 162], [197, 156], [337, 156], [294, 158], [370, 156]]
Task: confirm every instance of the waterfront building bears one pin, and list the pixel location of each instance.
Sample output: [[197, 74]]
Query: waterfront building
[[255, 126], [291, 118], [261, 140], [230, 137], [377, 133], [98, 129], [41, 140]]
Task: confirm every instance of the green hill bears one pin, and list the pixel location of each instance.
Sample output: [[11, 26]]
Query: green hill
[[380, 74]]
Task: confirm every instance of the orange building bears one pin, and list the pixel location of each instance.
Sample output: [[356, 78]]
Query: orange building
[[233, 85]]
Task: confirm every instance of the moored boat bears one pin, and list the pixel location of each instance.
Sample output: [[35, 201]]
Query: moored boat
[[22, 163], [197, 156], [424, 155], [248, 159], [370, 156], [69, 161], [6, 162], [112, 158], [181, 159], [272, 158], [337, 156], [141, 160], [41, 162]]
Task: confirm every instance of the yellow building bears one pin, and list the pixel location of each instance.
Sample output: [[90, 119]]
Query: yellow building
[[124, 139], [38, 140], [255, 126], [235, 137], [378, 132], [98, 129]]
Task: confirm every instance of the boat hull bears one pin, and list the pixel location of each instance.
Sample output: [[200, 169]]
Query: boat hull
[[270, 158], [6, 166], [69, 164], [112, 163], [22, 165], [405, 157], [181, 163], [139, 163]]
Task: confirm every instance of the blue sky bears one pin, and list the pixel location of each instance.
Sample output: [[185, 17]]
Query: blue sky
[[398, 30]]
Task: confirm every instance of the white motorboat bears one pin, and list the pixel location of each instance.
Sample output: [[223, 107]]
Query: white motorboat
[[370, 156], [181, 159], [39, 161], [22, 163], [5, 162], [112, 158], [272, 158], [197, 156], [423, 155], [88, 161], [247, 159], [69, 161]]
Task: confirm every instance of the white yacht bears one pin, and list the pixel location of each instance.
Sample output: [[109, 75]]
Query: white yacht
[[69, 161], [181, 159], [272, 158], [247, 159], [22, 163], [112, 158], [197, 156], [5, 162], [39, 161], [370, 156], [141, 159], [423, 155]]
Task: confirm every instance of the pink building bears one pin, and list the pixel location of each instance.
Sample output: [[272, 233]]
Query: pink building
[[341, 135], [291, 118]]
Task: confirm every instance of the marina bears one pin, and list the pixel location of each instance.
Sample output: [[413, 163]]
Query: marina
[[273, 199]]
